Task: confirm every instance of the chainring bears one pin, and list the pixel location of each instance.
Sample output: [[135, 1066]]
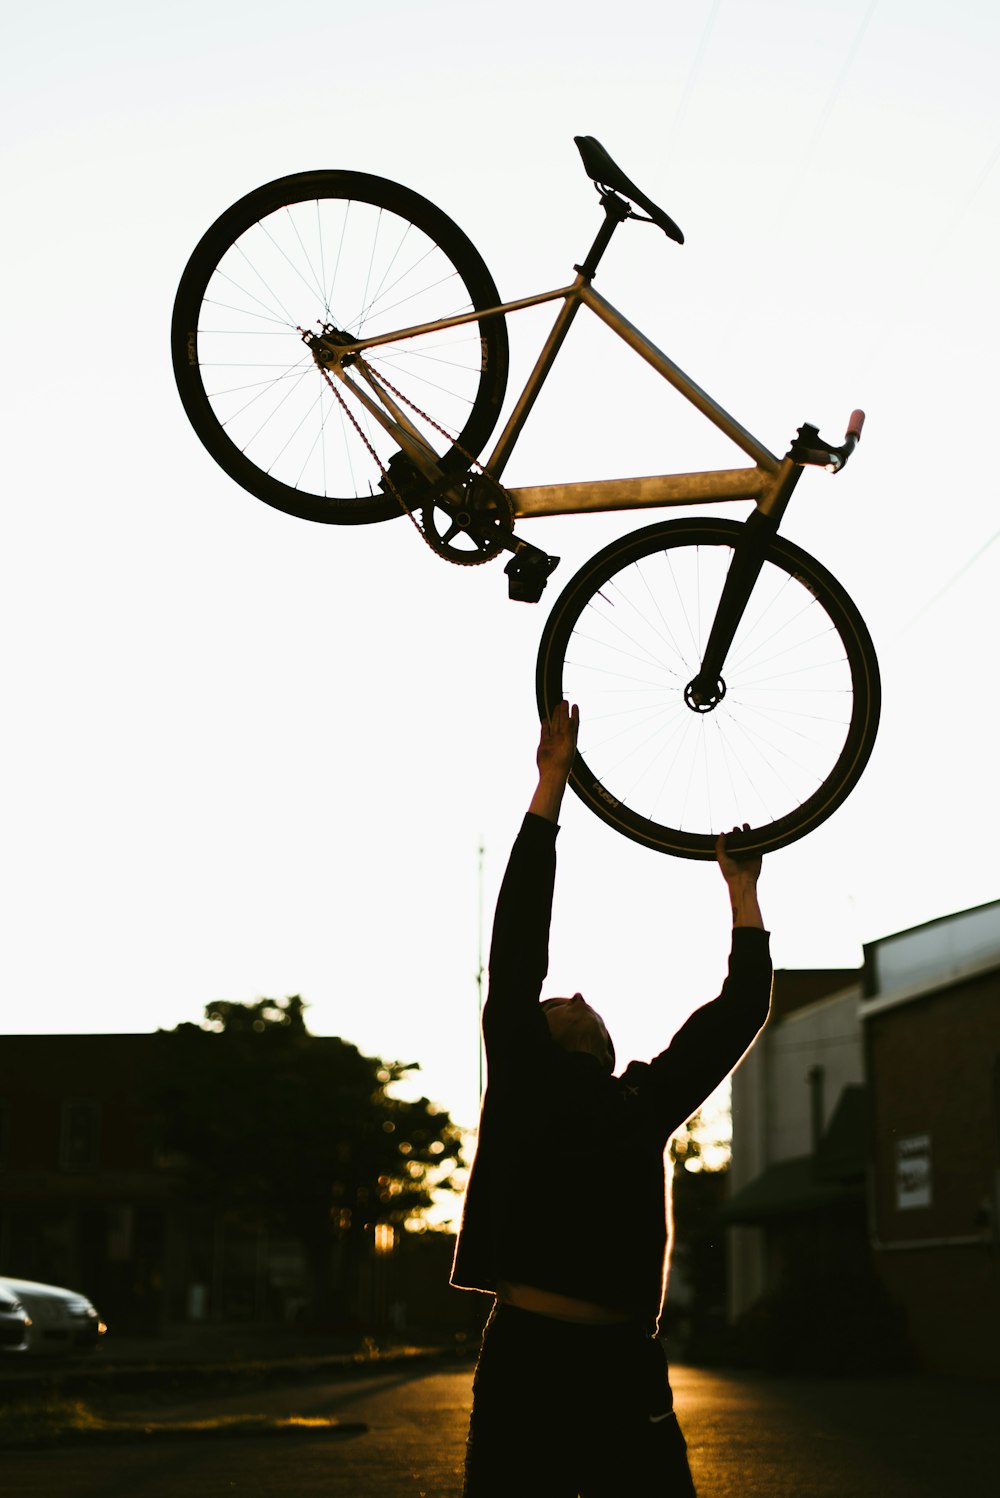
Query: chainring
[[472, 527]]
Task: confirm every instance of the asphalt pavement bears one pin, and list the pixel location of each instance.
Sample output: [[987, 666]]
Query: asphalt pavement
[[405, 1415]]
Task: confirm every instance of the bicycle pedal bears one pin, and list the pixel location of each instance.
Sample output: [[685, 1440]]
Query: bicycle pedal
[[527, 573]]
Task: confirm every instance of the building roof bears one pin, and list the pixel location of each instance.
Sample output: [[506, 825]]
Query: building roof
[[910, 963], [811, 1183], [798, 987], [788, 1188], [843, 1149]]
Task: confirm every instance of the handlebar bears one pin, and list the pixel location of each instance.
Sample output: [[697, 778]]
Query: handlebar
[[806, 448], [840, 455]]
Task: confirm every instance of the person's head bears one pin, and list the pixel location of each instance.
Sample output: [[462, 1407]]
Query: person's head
[[576, 1027]]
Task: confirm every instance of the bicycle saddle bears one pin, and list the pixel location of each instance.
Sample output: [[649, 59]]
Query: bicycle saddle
[[606, 174]]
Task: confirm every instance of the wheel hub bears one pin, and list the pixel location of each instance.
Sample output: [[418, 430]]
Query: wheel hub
[[322, 345], [702, 700]]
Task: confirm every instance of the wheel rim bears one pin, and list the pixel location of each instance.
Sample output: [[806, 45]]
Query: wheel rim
[[788, 735], [277, 421]]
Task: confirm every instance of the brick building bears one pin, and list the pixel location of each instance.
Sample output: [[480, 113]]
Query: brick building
[[931, 1017], [90, 1199], [865, 1182]]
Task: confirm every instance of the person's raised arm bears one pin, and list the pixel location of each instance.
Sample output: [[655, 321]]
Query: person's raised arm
[[712, 1040], [741, 875], [554, 758], [519, 948]]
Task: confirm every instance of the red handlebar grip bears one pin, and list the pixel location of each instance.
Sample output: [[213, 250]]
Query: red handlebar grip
[[855, 424]]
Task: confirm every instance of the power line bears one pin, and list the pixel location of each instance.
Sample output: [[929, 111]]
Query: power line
[[902, 309], [949, 584], [818, 131], [479, 974], [904, 304], [673, 130], [833, 96], [798, 176]]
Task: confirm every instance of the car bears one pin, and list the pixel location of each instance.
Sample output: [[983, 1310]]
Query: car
[[55, 1320], [15, 1323]]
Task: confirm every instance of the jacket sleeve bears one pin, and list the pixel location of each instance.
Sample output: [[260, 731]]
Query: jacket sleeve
[[712, 1042], [519, 949]]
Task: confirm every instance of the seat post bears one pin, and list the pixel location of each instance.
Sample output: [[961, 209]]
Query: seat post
[[616, 210]]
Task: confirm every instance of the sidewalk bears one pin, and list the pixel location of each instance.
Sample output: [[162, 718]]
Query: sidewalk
[[206, 1354]]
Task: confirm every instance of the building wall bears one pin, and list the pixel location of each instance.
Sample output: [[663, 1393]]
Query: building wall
[[929, 1058], [83, 1200], [826, 1035], [772, 1099], [89, 1199], [771, 1095], [935, 1060]]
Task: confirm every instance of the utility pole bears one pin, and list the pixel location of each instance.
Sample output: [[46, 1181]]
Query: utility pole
[[479, 975]]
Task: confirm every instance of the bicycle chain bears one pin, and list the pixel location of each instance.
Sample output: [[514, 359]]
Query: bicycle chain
[[470, 559]]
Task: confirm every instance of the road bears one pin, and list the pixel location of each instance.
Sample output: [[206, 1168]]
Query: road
[[749, 1437]]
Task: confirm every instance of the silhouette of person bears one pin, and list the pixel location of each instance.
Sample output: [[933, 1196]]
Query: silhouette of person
[[564, 1219]]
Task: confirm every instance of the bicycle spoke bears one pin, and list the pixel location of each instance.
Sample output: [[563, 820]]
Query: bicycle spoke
[[768, 745], [305, 266]]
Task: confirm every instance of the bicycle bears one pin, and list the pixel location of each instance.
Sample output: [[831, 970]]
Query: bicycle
[[724, 676]]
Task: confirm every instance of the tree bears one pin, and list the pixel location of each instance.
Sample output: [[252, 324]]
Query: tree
[[303, 1133], [704, 1143], [700, 1154]]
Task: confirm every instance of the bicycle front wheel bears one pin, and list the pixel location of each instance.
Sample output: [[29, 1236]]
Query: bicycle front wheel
[[357, 256], [792, 732]]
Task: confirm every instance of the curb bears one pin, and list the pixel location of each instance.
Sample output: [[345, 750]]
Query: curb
[[121, 1434], [138, 1378]]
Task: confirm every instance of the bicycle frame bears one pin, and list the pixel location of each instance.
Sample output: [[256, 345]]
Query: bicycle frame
[[768, 482]]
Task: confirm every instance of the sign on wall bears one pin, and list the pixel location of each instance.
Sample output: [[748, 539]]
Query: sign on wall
[[913, 1172]]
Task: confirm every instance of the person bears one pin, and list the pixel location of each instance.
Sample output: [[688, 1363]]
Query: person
[[564, 1217]]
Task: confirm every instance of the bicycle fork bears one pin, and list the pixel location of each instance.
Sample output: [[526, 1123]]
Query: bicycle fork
[[706, 690]]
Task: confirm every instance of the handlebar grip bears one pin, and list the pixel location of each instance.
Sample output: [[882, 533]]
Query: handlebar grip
[[855, 424]]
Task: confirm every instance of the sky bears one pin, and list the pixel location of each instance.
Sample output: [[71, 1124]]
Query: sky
[[249, 755]]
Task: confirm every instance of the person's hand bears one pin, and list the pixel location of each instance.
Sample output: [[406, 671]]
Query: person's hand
[[557, 743], [741, 875], [737, 869]]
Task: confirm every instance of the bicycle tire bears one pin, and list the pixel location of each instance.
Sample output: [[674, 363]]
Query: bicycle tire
[[303, 251], [673, 778]]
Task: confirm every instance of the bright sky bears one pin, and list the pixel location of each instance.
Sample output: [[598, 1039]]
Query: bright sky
[[248, 755]]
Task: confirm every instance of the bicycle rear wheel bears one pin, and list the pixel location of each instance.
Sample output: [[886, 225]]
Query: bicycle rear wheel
[[792, 733], [359, 256]]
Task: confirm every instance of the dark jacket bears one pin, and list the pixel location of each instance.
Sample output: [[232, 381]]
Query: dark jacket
[[567, 1188]]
